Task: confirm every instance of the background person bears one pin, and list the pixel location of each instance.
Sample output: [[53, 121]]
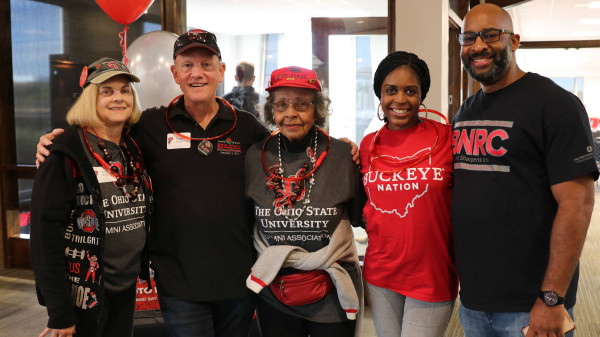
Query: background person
[[243, 96], [523, 196], [90, 200], [407, 175], [303, 187]]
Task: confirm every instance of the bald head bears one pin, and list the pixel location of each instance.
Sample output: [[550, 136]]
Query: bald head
[[487, 14], [491, 62]]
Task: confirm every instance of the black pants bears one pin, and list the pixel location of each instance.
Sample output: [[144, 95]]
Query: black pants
[[116, 316], [275, 323]]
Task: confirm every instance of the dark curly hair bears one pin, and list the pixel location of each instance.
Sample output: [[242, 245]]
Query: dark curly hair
[[398, 59]]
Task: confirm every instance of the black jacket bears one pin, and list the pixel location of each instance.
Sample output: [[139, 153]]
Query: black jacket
[[67, 232]]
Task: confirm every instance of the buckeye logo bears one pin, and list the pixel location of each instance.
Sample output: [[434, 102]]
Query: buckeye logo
[[88, 221]]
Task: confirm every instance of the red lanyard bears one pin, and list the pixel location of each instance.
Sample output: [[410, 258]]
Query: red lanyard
[[108, 167], [410, 162], [200, 139], [311, 172]]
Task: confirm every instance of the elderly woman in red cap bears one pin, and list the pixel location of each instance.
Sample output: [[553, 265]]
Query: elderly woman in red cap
[[89, 205], [303, 188]]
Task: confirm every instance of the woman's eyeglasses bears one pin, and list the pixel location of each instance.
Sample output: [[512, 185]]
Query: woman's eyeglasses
[[300, 106]]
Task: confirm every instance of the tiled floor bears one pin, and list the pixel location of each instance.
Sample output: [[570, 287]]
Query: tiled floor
[[21, 316]]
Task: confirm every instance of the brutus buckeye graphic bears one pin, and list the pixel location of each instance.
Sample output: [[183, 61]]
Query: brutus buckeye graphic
[[88, 221], [94, 265]]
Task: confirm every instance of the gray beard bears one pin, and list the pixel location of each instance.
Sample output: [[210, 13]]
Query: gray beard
[[500, 64]]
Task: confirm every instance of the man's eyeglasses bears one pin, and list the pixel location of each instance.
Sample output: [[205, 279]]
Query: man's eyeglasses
[[202, 37], [300, 106], [486, 35]]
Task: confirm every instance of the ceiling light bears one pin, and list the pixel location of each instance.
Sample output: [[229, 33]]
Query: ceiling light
[[594, 4], [592, 21]]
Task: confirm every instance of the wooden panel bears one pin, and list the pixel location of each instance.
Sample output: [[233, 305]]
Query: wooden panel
[[455, 71], [502, 3], [174, 16], [323, 27], [18, 256], [460, 7], [391, 25], [8, 183]]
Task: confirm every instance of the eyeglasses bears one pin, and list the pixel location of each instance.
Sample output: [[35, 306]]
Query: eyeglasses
[[486, 35], [202, 37], [299, 105]]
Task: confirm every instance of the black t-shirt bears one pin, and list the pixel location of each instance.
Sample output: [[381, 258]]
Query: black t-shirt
[[201, 241], [124, 220], [510, 147]]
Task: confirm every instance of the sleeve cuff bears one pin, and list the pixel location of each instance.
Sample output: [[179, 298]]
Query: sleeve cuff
[[351, 313], [255, 284]]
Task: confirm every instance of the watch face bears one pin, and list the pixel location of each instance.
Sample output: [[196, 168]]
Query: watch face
[[550, 297]]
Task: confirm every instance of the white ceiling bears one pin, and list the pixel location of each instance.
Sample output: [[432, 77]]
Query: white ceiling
[[274, 16], [558, 20], [535, 20]]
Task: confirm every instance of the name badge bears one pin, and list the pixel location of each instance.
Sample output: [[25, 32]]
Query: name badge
[[176, 142], [103, 176]]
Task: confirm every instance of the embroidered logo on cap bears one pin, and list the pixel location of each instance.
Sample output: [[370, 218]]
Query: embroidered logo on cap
[[83, 76]]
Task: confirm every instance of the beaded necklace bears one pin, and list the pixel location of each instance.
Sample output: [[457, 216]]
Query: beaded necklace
[[121, 179], [286, 197]]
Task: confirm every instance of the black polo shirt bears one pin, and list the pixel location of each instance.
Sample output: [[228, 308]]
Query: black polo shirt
[[200, 243]]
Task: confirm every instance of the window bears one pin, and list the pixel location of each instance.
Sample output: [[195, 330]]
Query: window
[[50, 45]]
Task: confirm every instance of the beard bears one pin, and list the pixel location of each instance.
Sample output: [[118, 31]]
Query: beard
[[500, 63]]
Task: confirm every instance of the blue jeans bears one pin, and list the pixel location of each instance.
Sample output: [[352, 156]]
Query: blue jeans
[[226, 318], [496, 324]]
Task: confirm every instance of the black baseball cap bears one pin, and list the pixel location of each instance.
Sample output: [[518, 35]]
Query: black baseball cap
[[196, 38], [103, 69]]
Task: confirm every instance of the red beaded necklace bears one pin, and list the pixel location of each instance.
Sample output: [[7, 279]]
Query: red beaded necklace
[[200, 139], [409, 162], [284, 195], [318, 162], [113, 170]]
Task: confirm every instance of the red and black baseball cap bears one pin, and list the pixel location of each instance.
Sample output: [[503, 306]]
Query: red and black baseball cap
[[103, 69], [196, 38], [295, 77]]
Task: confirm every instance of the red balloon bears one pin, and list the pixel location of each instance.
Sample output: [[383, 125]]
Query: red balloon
[[124, 11]]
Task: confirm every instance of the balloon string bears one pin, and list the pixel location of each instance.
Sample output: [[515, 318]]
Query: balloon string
[[123, 44]]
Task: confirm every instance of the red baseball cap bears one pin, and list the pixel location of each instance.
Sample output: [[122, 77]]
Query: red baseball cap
[[294, 77]]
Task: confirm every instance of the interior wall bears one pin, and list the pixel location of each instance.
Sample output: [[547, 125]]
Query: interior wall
[[421, 28], [591, 99]]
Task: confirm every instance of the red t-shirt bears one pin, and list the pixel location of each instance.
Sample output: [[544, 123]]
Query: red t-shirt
[[410, 248]]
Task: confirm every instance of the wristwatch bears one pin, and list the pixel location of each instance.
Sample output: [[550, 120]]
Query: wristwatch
[[551, 298]]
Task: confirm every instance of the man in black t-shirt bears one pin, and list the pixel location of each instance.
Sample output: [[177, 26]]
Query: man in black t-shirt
[[523, 189]]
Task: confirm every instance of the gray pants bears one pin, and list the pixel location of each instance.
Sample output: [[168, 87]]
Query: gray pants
[[395, 315]]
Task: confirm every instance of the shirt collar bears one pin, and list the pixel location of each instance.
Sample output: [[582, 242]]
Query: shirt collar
[[177, 110]]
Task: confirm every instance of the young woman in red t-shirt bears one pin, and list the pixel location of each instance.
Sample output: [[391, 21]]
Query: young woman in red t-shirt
[[407, 174]]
